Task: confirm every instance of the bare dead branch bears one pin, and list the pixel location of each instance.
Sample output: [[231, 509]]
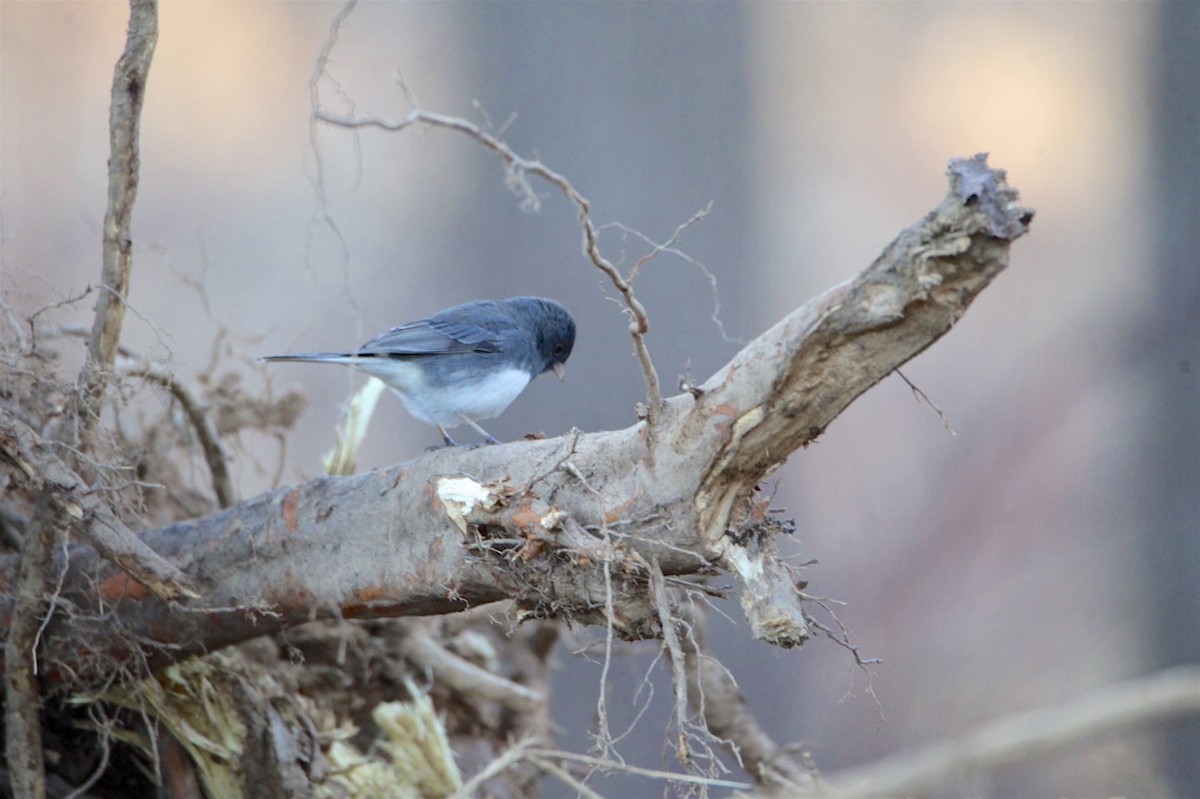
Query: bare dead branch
[[1168, 694], [509, 757], [769, 598], [68, 492], [465, 677], [72, 502], [532, 646], [202, 423], [125, 113], [670, 637], [563, 776], [196, 410], [669, 247], [669, 244], [23, 695], [714, 694], [457, 528], [601, 764], [23, 733], [923, 397], [499, 613], [314, 95]]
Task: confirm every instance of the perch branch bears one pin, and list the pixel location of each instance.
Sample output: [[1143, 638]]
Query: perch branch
[[458, 527]]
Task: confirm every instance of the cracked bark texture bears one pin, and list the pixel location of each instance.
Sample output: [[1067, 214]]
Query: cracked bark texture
[[551, 523]]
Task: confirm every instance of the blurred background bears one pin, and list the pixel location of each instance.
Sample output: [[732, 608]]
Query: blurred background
[[1048, 546]]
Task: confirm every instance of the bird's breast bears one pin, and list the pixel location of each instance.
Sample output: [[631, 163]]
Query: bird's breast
[[477, 396]]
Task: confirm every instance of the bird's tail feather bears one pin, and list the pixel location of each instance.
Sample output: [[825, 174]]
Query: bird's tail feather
[[314, 357]]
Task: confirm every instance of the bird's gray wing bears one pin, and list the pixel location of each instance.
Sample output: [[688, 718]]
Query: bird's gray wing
[[480, 331]]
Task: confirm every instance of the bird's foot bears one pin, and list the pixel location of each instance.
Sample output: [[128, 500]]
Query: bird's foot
[[488, 437]]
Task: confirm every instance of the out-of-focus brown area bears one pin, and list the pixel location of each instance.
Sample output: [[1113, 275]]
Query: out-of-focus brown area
[[1047, 546]]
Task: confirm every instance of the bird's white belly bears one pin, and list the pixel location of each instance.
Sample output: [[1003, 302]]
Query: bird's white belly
[[482, 399]]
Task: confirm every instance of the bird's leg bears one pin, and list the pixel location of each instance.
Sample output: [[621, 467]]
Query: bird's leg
[[488, 437], [450, 442]]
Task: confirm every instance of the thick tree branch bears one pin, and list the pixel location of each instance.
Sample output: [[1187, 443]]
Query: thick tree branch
[[70, 501], [541, 522]]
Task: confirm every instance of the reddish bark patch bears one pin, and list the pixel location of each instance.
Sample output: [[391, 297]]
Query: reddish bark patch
[[371, 593], [524, 517], [290, 510], [122, 586]]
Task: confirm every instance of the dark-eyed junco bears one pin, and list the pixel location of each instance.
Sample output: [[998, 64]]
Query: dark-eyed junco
[[464, 363]]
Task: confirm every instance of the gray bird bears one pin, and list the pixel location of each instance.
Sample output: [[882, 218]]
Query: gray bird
[[465, 363]]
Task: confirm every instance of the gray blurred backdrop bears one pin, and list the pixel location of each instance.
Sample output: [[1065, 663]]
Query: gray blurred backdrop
[[1048, 547]]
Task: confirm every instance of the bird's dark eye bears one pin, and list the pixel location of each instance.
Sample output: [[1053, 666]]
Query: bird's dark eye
[[558, 350]]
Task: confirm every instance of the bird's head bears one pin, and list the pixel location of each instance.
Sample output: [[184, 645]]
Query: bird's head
[[555, 330]]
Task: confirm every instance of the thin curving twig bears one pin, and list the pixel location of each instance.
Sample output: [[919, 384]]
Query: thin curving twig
[[519, 168]]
